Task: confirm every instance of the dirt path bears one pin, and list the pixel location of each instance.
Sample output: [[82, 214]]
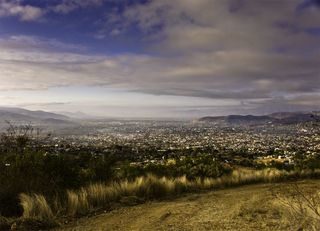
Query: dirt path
[[242, 208]]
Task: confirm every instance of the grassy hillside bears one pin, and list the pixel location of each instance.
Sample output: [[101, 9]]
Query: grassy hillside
[[244, 208], [42, 188]]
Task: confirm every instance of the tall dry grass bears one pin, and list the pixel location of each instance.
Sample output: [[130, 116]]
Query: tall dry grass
[[78, 203], [36, 207], [99, 195]]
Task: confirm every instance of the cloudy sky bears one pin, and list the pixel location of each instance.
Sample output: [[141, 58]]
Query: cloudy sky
[[155, 58]]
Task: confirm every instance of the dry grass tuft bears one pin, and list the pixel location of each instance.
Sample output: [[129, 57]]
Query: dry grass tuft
[[77, 202], [99, 195], [36, 207]]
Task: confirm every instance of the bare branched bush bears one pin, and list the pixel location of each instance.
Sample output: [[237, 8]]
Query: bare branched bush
[[303, 206], [17, 137]]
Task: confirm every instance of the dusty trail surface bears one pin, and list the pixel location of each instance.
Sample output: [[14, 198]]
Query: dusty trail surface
[[243, 208]]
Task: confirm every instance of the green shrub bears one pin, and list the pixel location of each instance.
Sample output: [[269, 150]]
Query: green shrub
[[46, 174], [197, 166]]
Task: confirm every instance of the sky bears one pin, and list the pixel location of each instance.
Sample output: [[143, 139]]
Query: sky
[[160, 58]]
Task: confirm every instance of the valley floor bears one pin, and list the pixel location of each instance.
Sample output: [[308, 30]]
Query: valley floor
[[251, 207]]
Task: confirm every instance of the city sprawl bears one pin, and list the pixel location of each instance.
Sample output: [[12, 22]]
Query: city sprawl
[[156, 141]]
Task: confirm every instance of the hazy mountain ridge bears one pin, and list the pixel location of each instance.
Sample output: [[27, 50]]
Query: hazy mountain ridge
[[36, 114], [276, 118], [19, 115]]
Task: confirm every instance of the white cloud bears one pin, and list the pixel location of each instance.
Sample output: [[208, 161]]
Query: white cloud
[[33, 42], [24, 12], [32, 13], [204, 48], [225, 74], [67, 6]]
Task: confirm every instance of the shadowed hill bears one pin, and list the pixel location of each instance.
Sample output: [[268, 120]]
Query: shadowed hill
[[276, 118], [23, 116]]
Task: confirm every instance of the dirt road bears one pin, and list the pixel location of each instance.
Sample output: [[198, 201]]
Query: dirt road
[[243, 208]]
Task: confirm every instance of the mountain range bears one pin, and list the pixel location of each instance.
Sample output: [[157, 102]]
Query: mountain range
[[24, 116], [274, 118], [19, 115]]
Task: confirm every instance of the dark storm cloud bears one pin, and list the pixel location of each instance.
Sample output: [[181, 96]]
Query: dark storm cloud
[[307, 4], [236, 5]]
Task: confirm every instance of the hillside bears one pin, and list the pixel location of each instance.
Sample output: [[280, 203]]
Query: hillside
[[32, 114], [244, 208], [23, 116], [275, 118]]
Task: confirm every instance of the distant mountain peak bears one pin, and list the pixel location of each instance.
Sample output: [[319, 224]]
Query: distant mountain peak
[[277, 118], [24, 116]]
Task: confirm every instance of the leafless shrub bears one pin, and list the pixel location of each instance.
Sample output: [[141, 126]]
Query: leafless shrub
[[303, 206], [17, 138]]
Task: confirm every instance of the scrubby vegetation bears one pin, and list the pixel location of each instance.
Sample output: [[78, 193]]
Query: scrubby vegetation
[[202, 165], [47, 174], [303, 206], [39, 187], [100, 196]]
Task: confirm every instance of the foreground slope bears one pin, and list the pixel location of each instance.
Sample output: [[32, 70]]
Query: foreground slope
[[244, 208]]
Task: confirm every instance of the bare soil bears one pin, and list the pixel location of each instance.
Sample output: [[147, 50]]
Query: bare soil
[[244, 208]]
